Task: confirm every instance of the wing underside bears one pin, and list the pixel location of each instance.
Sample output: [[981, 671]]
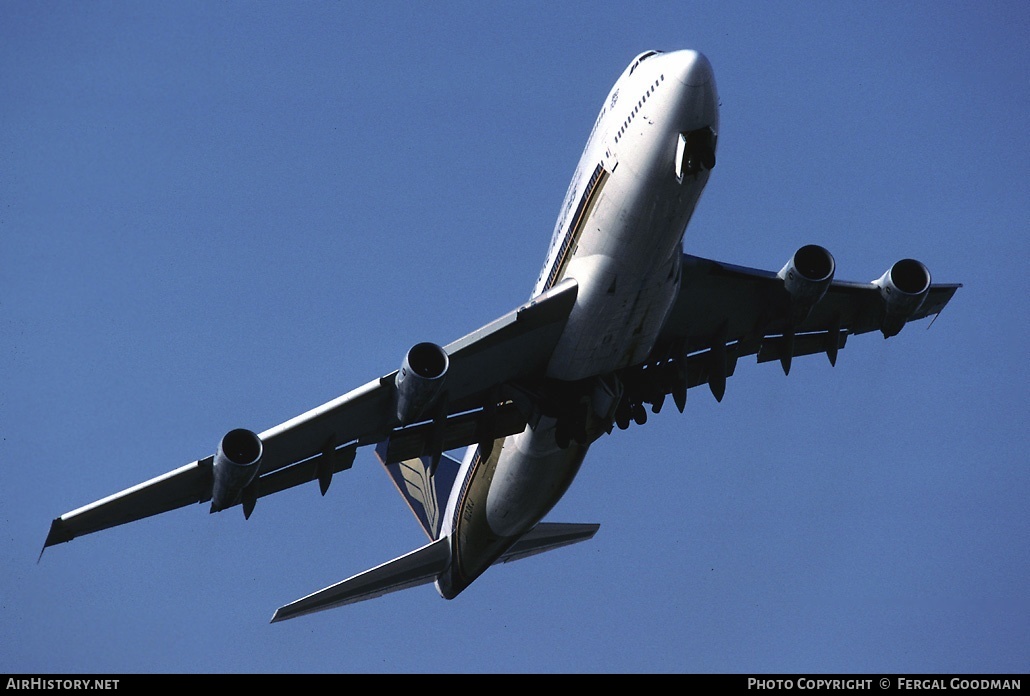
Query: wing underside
[[722, 313], [726, 312], [316, 445]]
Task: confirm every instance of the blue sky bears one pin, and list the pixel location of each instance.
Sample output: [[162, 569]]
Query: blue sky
[[222, 214]]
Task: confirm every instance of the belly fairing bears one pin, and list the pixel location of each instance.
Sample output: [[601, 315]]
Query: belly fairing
[[618, 314]]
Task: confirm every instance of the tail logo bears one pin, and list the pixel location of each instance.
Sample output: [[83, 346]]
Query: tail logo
[[423, 486], [418, 485]]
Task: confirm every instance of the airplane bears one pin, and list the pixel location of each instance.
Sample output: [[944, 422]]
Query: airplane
[[620, 318]]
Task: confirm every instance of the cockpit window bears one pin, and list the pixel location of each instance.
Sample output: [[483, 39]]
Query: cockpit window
[[641, 58]]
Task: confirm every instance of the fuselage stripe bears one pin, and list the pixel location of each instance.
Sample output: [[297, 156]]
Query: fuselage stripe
[[586, 203], [473, 465]]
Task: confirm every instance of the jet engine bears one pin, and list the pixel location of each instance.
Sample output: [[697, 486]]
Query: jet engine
[[237, 461], [903, 288], [420, 380], [806, 277]]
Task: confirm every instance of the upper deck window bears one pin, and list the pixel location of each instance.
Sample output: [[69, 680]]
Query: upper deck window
[[640, 59]]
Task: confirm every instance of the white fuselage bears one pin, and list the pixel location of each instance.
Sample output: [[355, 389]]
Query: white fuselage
[[620, 235]]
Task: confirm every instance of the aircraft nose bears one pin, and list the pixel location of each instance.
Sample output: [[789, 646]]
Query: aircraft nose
[[692, 68], [698, 98]]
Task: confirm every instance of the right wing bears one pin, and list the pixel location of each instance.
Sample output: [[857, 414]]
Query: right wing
[[474, 406]]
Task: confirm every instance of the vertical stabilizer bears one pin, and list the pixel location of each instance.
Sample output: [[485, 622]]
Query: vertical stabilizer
[[422, 486]]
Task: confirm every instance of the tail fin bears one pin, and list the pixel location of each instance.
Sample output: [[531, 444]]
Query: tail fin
[[422, 486]]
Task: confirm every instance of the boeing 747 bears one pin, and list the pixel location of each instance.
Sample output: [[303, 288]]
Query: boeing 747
[[620, 319]]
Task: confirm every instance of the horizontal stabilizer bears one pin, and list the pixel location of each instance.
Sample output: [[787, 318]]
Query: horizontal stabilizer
[[423, 566], [547, 536], [418, 567]]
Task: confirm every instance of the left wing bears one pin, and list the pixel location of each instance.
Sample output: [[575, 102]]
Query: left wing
[[725, 312], [440, 399]]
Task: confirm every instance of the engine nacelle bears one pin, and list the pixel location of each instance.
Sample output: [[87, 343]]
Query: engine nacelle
[[903, 288], [806, 278], [420, 380], [237, 461]]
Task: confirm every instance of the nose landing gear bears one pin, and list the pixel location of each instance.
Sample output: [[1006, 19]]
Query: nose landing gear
[[695, 151]]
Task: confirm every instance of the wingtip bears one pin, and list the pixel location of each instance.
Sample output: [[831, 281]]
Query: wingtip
[[58, 534], [284, 613]]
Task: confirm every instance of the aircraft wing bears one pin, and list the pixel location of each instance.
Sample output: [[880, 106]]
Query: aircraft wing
[[473, 405], [725, 312], [752, 302]]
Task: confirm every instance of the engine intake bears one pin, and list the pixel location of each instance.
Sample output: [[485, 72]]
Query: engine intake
[[903, 288], [237, 462], [806, 278], [420, 380]]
